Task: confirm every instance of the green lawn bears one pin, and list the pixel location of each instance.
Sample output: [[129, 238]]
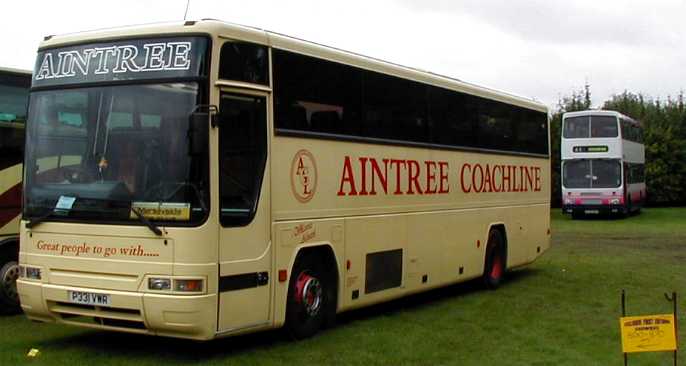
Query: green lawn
[[563, 309]]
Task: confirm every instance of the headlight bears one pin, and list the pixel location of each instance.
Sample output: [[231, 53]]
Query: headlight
[[568, 201], [159, 284], [614, 201], [31, 273]]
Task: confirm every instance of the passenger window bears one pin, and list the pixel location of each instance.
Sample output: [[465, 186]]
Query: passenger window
[[242, 156], [243, 61]]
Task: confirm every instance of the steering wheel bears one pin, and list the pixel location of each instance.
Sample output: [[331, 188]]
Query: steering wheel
[[77, 174]]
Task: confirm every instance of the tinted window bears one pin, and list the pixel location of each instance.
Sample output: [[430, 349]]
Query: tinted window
[[606, 173], [603, 126], [496, 126], [246, 62], [394, 108], [577, 174], [242, 156], [453, 117], [636, 173], [631, 131], [314, 95], [531, 131], [576, 127], [14, 94]]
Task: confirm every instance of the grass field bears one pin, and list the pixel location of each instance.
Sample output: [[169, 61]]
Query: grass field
[[562, 310]]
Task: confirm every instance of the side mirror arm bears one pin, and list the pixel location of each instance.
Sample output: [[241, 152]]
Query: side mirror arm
[[211, 109]]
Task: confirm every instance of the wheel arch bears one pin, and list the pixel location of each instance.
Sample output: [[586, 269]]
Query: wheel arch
[[499, 226], [9, 248], [324, 252], [324, 249]]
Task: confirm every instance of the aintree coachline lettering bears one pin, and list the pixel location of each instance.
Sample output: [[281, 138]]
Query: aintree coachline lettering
[[368, 176], [477, 178], [115, 59]]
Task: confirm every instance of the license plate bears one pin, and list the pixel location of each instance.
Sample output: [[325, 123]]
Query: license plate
[[591, 211], [89, 298]]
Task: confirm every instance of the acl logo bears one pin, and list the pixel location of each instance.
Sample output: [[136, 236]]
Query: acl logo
[[303, 176]]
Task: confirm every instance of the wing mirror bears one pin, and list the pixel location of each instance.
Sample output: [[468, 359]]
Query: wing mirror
[[198, 128]]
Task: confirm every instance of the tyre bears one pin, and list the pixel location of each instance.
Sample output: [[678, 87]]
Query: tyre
[[311, 298], [9, 299], [496, 260], [629, 207]]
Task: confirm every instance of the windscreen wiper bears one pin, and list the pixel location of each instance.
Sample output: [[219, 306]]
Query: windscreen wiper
[[147, 222], [39, 219]]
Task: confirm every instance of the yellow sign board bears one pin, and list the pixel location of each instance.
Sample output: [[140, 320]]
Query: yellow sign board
[[648, 333], [162, 210]]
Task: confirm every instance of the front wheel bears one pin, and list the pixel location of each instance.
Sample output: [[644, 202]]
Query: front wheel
[[9, 299], [496, 259], [310, 297]]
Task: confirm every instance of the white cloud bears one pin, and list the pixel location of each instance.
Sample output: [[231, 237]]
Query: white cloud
[[536, 48]]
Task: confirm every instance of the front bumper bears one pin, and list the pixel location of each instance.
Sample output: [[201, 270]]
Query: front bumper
[[594, 209], [191, 317]]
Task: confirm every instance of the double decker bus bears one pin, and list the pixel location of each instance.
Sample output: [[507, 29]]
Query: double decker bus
[[14, 95], [204, 179], [603, 164]]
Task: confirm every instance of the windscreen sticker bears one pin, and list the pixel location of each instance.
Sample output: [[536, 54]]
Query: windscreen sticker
[[171, 211], [64, 204]]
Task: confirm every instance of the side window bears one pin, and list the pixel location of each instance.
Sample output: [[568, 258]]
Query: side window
[[11, 144], [321, 98], [604, 126], [495, 126], [243, 61], [453, 117], [242, 156], [316, 95], [394, 108]]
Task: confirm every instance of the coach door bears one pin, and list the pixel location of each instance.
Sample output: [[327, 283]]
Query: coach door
[[244, 246]]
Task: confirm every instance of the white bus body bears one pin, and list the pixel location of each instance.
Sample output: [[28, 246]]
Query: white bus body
[[603, 160]]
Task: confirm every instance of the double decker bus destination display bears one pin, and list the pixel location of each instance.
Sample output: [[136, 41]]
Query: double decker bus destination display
[[590, 149], [137, 59]]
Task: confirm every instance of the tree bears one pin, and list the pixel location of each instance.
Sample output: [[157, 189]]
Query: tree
[[664, 126], [664, 133], [580, 100]]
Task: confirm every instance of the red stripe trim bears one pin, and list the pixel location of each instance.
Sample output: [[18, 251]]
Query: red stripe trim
[[10, 204]]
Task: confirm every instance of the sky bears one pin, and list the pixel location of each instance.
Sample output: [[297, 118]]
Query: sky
[[540, 49]]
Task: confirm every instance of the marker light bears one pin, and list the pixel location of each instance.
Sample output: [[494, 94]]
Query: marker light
[[31, 273], [283, 275], [159, 284], [188, 285]]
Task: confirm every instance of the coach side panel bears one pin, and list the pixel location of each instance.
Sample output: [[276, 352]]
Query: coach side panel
[[403, 219]]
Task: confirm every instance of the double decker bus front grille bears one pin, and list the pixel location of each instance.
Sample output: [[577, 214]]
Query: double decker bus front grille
[[91, 315]]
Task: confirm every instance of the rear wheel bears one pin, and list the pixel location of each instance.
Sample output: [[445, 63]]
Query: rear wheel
[[9, 299], [311, 296], [496, 260]]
